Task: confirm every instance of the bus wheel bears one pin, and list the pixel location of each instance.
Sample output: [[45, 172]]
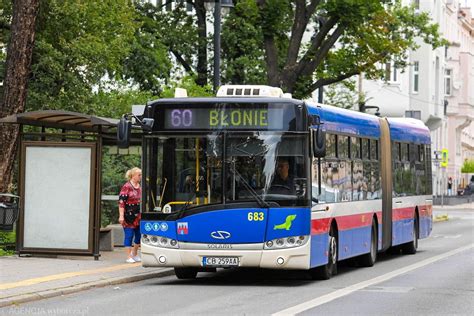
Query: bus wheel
[[185, 273], [410, 247], [368, 260], [325, 272]]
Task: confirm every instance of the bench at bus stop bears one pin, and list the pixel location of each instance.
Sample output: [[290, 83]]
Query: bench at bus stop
[[106, 239], [110, 237]]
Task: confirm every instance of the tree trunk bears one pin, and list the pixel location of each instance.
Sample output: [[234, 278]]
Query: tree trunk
[[19, 53]]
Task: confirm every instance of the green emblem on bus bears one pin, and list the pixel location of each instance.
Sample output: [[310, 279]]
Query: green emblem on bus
[[287, 224]]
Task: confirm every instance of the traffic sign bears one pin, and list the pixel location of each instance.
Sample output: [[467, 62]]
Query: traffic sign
[[444, 158]]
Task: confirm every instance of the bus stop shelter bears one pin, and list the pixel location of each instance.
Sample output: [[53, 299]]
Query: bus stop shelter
[[59, 181]]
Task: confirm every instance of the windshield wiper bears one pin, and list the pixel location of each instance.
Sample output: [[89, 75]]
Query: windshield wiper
[[243, 151], [247, 186], [188, 202]]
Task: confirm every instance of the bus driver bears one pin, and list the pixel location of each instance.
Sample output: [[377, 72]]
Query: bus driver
[[283, 182]]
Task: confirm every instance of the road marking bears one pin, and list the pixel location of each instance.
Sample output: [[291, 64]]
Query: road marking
[[355, 287], [54, 277], [447, 236]]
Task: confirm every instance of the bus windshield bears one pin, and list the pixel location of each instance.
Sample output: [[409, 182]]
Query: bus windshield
[[220, 168]]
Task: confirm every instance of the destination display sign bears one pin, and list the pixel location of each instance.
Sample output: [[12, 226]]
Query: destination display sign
[[235, 118]]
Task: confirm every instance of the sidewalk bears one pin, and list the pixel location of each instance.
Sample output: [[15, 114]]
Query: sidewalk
[[24, 279], [459, 207]]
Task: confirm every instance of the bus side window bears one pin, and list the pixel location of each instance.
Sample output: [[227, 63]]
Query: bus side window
[[330, 145], [365, 149], [359, 192], [420, 178], [316, 197], [327, 176], [429, 180], [355, 148], [398, 169], [342, 147]]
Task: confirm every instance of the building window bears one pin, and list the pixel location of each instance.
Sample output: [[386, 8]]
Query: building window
[[390, 72], [416, 76], [413, 114], [447, 82], [416, 4]]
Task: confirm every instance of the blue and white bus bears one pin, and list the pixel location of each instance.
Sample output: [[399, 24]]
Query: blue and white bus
[[356, 184]]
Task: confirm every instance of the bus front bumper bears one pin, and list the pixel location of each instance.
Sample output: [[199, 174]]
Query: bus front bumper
[[297, 258]]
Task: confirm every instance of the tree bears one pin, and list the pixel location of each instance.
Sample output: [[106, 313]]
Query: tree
[[468, 166], [305, 45], [183, 36], [85, 57], [342, 94], [77, 63], [19, 55]]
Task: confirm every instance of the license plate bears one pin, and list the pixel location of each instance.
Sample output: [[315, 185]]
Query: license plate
[[220, 261]]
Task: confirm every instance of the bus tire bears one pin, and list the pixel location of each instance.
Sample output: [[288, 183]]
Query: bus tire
[[185, 273], [368, 260], [410, 247], [326, 271]]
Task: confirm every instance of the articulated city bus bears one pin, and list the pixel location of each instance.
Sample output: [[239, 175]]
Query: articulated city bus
[[254, 178]]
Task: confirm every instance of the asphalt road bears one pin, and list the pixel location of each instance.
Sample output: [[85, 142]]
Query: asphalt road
[[438, 280]]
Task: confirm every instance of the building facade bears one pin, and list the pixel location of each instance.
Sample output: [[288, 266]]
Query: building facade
[[459, 88], [437, 88]]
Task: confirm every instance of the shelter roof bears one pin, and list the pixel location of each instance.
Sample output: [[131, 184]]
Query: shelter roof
[[61, 119]]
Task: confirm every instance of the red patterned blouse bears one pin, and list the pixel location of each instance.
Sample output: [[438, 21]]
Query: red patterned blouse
[[130, 196]]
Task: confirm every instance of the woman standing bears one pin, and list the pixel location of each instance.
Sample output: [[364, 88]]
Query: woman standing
[[129, 213]]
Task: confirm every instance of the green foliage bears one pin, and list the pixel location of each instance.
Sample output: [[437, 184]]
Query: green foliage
[[241, 46], [468, 166], [114, 103], [193, 89], [162, 34], [342, 94], [7, 238], [148, 64], [79, 44]]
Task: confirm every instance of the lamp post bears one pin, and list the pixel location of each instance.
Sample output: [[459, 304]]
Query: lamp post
[[218, 6]]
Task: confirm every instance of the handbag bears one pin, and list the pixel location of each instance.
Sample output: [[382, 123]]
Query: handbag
[[131, 212]]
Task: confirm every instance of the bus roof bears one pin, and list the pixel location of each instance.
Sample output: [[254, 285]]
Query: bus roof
[[223, 100], [340, 120], [345, 121], [411, 130]]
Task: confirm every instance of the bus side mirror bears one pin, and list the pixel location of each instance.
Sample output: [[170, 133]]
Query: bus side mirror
[[319, 143], [147, 124], [124, 131]]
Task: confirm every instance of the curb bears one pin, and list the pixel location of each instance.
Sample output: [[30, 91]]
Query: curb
[[29, 297]]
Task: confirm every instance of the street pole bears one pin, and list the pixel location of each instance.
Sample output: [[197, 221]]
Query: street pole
[[361, 101], [217, 44], [320, 94], [443, 186]]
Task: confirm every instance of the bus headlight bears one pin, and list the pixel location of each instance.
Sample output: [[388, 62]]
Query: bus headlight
[[158, 241], [286, 242]]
